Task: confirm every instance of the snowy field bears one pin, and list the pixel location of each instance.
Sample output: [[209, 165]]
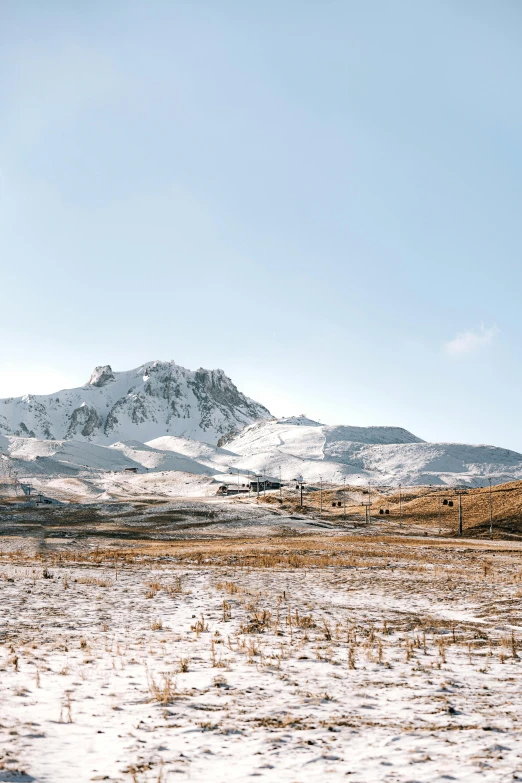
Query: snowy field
[[294, 658]]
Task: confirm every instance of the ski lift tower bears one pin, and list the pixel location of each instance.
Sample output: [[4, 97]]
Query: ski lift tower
[[299, 480], [8, 476]]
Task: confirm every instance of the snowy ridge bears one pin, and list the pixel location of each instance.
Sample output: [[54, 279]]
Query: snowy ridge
[[383, 455], [153, 400]]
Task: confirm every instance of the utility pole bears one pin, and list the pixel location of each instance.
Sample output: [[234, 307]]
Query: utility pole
[[438, 495], [460, 493], [258, 476], [369, 503], [344, 497], [400, 505], [321, 496], [280, 485], [490, 510]]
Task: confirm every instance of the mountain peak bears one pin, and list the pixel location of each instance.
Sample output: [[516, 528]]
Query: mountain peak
[[301, 421], [153, 400], [101, 375]]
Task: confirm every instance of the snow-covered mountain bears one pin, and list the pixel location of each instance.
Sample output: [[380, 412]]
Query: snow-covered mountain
[[154, 400], [383, 455], [174, 430]]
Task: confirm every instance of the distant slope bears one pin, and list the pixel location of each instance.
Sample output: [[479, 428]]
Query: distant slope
[[424, 508], [155, 399], [383, 455], [52, 457], [158, 460], [203, 452]]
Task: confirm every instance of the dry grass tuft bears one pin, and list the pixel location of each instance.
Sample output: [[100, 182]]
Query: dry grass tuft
[[163, 692], [152, 589], [95, 581], [258, 623], [200, 626]]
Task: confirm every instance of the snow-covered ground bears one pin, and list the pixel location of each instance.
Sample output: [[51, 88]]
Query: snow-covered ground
[[289, 659]]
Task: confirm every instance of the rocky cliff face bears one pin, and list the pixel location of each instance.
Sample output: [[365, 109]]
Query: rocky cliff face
[[158, 398]]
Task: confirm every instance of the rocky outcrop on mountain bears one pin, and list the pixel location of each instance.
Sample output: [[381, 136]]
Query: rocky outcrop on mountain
[[101, 375], [85, 422], [156, 399]]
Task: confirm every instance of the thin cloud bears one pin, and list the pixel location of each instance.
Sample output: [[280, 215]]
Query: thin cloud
[[471, 341]]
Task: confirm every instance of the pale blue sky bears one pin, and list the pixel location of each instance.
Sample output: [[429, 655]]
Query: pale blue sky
[[322, 198]]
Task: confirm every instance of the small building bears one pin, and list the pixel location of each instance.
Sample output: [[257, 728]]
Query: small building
[[233, 489], [264, 482], [130, 470]]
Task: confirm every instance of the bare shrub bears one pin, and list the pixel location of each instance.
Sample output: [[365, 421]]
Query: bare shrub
[[174, 589], [304, 621], [258, 623], [230, 587], [442, 649], [200, 626], [163, 692], [95, 581], [152, 589]]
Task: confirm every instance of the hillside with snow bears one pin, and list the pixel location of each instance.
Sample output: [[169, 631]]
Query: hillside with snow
[[382, 455], [153, 400], [172, 466]]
